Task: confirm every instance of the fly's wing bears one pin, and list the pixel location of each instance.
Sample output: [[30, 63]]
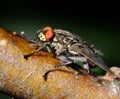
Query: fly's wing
[[89, 54]]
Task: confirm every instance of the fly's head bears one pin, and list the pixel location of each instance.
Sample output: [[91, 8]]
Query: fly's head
[[46, 34]]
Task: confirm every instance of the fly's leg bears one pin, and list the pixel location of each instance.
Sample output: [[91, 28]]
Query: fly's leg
[[40, 48], [81, 59], [22, 33], [62, 58], [52, 69], [66, 61], [86, 67]]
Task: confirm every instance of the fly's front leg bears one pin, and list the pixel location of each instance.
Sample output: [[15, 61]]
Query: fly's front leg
[[22, 33], [40, 48]]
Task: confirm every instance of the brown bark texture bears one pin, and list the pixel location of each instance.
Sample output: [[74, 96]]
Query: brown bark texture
[[23, 78]]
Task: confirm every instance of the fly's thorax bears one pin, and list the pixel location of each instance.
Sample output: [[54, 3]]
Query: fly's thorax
[[58, 38], [61, 44], [68, 40], [58, 47], [71, 50], [55, 39]]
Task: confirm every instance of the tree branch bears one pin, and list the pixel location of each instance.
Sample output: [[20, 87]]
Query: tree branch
[[23, 78]]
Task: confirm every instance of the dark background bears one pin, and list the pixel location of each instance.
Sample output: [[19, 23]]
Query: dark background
[[99, 26]]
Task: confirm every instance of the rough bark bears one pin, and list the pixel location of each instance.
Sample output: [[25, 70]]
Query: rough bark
[[23, 78]]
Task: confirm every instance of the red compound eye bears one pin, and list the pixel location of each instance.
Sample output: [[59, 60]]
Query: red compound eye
[[49, 34]]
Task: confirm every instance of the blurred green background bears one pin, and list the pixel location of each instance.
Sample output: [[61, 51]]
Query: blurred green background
[[99, 26]]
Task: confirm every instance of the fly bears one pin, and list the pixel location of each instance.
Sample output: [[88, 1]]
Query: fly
[[68, 48]]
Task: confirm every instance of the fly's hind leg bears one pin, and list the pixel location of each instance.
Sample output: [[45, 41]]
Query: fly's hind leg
[[65, 63], [52, 69]]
